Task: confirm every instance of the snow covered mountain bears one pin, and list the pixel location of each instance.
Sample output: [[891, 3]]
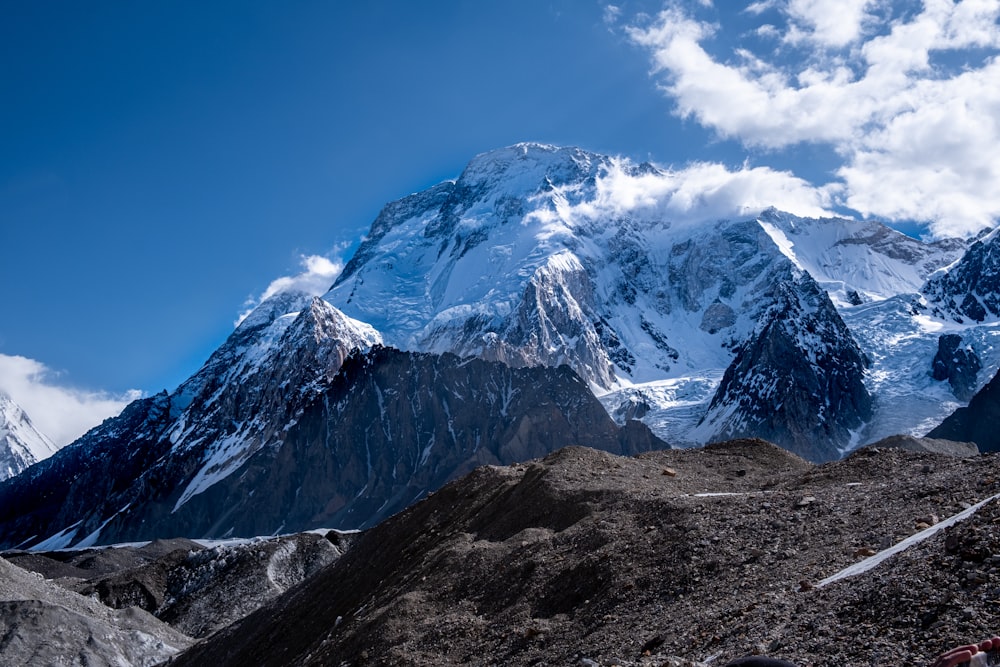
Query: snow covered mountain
[[538, 255], [242, 401], [506, 300], [21, 444]]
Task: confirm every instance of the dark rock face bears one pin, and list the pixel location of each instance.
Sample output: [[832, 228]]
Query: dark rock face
[[798, 381], [86, 476], [389, 428], [958, 365], [976, 423], [394, 426], [588, 556], [971, 289]]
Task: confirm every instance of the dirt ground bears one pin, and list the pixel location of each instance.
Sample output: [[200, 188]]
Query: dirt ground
[[699, 555]]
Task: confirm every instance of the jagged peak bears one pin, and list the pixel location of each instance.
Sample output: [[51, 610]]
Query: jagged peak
[[326, 321]]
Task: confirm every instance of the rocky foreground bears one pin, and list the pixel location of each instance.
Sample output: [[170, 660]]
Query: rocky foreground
[[672, 557]]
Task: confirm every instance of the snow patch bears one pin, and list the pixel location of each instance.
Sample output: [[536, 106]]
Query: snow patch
[[60, 540], [873, 561]]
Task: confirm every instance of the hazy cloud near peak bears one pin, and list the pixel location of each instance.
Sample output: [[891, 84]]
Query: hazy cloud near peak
[[698, 193], [317, 276], [911, 108], [61, 412]]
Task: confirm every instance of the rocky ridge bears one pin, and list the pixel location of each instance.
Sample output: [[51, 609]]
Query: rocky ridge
[[43, 624], [969, 289], [350, 450], [802, 351]]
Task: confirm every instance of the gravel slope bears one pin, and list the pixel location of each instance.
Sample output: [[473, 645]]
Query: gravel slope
[[588, 558]]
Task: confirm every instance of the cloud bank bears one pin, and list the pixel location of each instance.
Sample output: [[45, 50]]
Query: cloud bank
[[316, 278], [60, 412], [906, 93]]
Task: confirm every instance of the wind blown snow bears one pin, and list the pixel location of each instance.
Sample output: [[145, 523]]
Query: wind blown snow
[[319, 274]]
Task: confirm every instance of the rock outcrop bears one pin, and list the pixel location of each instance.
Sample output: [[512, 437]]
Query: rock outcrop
[[958, 365], [798, 380], [969, 290]]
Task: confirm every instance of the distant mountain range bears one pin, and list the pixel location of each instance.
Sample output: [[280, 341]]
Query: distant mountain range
[[489, 319], [21, 444]]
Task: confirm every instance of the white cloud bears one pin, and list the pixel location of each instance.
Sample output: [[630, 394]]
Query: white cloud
[[912, 111], [829, 23], [760, 7], [611, 14], [699, 193], [316, 278], [61, 412]]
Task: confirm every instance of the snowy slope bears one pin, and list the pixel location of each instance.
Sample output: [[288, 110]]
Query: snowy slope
[[21, 444], [858, 260]]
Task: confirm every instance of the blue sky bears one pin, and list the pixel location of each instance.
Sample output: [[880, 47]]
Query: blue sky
[[162, 163]]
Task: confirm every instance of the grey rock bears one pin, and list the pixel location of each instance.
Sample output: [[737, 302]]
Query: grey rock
[[588, 555], [43, 624]]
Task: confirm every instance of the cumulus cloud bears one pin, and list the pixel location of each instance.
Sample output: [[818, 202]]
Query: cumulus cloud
[[61, 412], [911, 105], [317, 276]]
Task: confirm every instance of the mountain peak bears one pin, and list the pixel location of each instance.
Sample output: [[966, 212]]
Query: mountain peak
[[21, 444], [525, 169]]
